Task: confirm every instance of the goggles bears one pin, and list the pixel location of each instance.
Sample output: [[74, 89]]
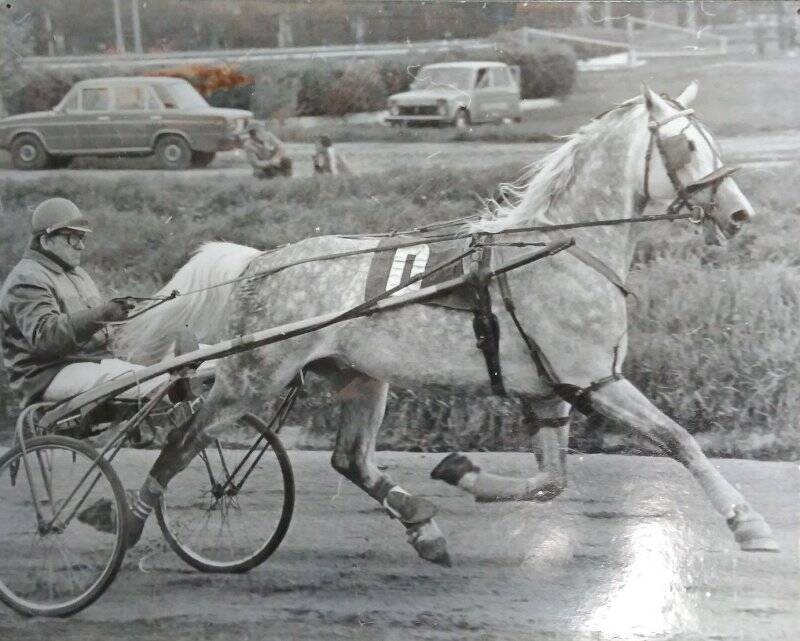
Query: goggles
[[75, 239]]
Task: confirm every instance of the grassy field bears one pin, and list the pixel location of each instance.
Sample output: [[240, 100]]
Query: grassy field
[[714, 337]]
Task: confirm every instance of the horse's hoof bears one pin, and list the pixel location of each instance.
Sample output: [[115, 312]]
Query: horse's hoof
[[751, 531], [429, 543], [452, 467], [434, 550]]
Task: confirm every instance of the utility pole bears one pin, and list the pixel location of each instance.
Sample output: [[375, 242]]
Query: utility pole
[[118, 27], [137, 26], [48, 27]]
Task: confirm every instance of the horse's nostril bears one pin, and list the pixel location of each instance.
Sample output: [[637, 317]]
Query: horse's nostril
[[740, 216]]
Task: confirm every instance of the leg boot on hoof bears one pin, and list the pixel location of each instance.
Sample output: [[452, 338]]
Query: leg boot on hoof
[[409, 509], [429, 543], [452, 467], [751, 530]]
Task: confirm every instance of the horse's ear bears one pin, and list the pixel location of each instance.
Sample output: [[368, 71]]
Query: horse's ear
[[688, 95], [655, 104], [648, 97]]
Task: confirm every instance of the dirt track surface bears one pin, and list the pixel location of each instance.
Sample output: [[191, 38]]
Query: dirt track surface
[[372, 157], [631, 550]]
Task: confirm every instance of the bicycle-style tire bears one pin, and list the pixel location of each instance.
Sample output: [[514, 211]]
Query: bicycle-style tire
[[173, 508], [34, 448]]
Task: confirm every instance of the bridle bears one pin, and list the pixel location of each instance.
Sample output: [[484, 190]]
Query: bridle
[[675, 152]]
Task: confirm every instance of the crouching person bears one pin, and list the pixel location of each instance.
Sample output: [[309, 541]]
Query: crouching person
[[266, 153], [328, 160]]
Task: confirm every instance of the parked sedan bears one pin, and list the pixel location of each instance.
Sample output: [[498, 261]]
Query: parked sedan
[[135, 116], [458, 93]]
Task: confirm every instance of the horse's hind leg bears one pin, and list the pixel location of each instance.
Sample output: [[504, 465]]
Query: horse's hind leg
[[621, 401], [364, 403], [550, 420]]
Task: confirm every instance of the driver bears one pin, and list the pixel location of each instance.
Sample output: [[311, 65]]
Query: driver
[[55, 343]]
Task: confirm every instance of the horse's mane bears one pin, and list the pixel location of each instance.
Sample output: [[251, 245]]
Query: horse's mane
[[529, 200]]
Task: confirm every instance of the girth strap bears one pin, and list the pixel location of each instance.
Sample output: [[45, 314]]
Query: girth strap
[[579, 397], [484, 321]]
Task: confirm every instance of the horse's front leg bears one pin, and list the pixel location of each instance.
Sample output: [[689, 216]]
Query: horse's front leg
[[550, 424], [364, 404], [622, 402]]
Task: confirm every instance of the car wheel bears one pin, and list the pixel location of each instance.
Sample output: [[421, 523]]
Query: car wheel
[[202, 158], [28, 152], [461, 120], [173, 152]]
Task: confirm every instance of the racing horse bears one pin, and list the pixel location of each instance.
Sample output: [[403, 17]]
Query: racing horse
[[649, 148]]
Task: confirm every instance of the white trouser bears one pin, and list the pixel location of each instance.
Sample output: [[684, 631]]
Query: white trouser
[[77, 378]]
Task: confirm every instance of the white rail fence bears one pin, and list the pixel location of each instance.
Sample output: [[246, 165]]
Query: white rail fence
[[698, 42]]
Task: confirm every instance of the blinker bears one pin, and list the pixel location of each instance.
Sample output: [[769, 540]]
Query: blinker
[[677, 150]]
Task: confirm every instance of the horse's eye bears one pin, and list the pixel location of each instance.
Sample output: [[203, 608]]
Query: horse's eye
[[691, 146]]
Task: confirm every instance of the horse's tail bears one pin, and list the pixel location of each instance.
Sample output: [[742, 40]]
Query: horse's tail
[[148, 338]]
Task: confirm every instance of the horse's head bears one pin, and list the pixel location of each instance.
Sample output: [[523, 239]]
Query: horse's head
[[683, 165]]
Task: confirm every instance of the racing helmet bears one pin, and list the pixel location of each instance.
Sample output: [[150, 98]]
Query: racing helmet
[[58, 213]]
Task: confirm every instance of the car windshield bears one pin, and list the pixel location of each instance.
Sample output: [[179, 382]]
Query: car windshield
[[180, 95], [454, 77]]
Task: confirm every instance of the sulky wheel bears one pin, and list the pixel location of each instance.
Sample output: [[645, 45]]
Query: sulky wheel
[[52, 563], [231, 507]]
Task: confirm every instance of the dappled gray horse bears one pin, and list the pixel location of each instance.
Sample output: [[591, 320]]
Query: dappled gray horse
[[648, 148]]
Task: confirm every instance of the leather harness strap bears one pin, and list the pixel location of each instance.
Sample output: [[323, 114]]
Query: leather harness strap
[[600, 267], [484, 321]]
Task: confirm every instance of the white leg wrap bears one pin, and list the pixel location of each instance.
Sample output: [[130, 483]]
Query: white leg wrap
[[140, 509], [397, 490]]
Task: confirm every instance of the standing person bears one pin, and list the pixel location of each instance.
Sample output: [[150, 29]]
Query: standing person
[[266, 153], [52, 318], [327, 160]]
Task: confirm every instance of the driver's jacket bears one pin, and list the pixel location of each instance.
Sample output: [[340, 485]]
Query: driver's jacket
[[37, 336]]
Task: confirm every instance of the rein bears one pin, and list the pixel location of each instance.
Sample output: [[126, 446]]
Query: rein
[[160, 300]]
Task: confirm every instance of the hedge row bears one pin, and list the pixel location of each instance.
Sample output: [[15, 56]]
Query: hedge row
[[323, 89]]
